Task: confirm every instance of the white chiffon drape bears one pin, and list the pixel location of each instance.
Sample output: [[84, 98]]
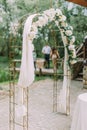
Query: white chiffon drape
[[64, 95], [26, 76]]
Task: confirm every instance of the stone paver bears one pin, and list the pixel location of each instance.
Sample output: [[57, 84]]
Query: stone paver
[[41, 115]]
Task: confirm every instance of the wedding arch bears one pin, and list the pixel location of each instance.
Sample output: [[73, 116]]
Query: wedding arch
[[31, 28]]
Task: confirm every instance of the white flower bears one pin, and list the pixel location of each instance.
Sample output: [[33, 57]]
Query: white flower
[[50, 14], [64, 24], [46, 38], [71, 47], [57, 23], [85, 37], [34, 28], [52, 11], [39, 24], [74, 54], [71, 28], [62, 30], [13, 27], [73, 62], [35, 24], [58, 12], [47, 12], [62, 17], [72, 40], [68, 32], [43, 20], [32, 35]]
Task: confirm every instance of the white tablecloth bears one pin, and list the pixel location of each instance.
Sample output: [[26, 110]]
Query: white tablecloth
[[79, 121]]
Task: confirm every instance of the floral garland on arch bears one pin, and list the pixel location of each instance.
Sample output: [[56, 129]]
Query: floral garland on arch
[[31, 30], [55, 16]]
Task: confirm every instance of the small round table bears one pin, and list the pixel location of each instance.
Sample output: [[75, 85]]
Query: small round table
[[79, 121]]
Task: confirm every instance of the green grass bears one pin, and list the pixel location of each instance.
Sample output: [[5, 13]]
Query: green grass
[[37, 78], [3, 59], [4, 74], [4, 71], [3, 62]]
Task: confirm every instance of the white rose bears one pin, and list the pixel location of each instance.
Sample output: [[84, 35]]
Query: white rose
[[64, 24], [32, 35], [71, 28], [68, 32], [58, 12], [71, 47], [57, 23], [36, 23], [14, 27], [39, 24], [42, 21], [72, 40], [52, 19], [52, 11], [85, 37], [45, 18], [41, 18], [62, 18], [34, 28], [47, 12], [50, 14], [74, 54], [46, 38], [62, 30]]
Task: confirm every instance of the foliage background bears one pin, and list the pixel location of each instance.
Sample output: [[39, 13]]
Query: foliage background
[[22, 9], [16, 11]]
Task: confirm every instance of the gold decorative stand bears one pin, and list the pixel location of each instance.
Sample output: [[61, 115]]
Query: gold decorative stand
[[14, 123]]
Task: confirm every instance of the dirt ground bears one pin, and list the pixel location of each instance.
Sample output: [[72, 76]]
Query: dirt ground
[[41, 115]]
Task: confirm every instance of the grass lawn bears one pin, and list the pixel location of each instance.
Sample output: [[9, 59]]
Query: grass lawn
[[3, 62], [3, 69]]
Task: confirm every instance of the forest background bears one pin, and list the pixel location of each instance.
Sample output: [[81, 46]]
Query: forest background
[[13, 13]]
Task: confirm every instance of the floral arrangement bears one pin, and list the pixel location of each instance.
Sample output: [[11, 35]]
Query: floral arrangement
[[56, 16]]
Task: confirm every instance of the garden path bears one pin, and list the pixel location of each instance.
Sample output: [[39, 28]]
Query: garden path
[[41, 115]]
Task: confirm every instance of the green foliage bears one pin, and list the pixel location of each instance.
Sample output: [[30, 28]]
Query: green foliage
[[80, 29], [22, 9], [78, 21], [4, 75], [3, 59], [48, 34], [37, 78]]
